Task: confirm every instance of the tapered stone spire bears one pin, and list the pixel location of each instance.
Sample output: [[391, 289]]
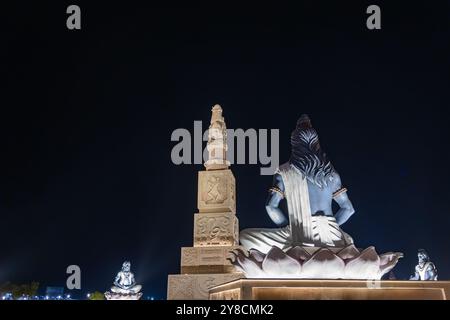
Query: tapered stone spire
[[216, 227], [217, 141]]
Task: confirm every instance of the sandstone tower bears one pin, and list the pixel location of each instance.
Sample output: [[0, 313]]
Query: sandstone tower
[[216, 227]]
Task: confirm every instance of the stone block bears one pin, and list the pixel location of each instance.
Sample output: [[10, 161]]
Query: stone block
[[206, 260], [196, 286], [216, 191], [216, 229], [296, 289]]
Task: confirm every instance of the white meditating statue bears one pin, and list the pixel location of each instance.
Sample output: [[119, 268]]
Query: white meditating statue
[[125, 287], [124, 282]]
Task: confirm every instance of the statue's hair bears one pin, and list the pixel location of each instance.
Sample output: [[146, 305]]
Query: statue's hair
[[307, 155]]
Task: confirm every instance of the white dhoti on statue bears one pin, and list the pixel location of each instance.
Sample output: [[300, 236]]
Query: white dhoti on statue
[[325, 233], [303, 229]]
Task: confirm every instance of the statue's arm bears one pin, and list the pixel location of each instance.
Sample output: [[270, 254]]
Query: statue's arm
[[431, 272], [276, 194], [116, 280], [346, 209], [133, 282], [415, 276]]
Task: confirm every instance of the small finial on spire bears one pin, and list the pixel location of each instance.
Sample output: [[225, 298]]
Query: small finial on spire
[[216, 113], [217, 107]]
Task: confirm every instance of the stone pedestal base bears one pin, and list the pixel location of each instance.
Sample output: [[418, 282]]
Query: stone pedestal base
[[284, 289], [122, 296], [206, 260], [196, 286]]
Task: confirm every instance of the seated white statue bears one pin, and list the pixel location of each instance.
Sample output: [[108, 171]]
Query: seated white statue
[[425, 270], [124, 282]]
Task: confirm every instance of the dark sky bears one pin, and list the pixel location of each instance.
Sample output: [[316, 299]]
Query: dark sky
[[86, 118]]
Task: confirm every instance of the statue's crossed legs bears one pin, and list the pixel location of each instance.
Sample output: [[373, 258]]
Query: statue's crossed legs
[[326, 233]]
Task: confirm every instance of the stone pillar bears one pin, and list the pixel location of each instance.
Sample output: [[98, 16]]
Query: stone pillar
[[216, 227]]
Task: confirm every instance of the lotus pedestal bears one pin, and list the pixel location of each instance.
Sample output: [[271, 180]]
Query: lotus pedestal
[[299, 289]]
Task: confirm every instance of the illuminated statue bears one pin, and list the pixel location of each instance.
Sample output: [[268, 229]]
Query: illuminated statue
[[309, 183], [125, 287], [425, 270], [309, 243]]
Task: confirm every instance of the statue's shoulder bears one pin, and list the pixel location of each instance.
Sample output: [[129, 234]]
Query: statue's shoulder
[[336, 182], [430, 266], [283, 168]]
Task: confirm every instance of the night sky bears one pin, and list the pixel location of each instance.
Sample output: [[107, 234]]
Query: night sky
[[86, 118]]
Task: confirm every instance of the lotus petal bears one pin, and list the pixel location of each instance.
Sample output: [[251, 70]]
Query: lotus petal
[[299, 254], [247, 264], [365, 266], [256, 255], [279, 264], [349, 252], [388, 262], [324, 264]]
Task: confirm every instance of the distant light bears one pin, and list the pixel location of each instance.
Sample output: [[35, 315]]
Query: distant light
[[151, 298], [88, 295]]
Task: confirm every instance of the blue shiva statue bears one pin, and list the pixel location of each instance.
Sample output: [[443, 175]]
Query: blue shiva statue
[[309, 183]]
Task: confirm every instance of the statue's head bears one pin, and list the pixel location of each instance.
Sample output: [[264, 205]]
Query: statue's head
[[423, 256], [126, 266], [307, 155]]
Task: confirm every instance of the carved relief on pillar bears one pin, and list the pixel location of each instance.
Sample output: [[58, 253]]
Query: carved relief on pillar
[[215, 229], [207, 260], [216, 191]]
